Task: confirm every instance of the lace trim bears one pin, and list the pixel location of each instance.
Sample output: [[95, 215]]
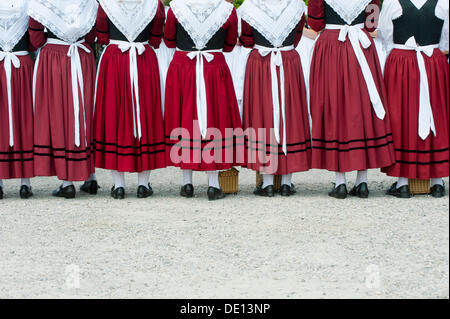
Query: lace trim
[[274, 30], [67, 22], [130, 17], [348, 10], [203, 28], [13, 23]]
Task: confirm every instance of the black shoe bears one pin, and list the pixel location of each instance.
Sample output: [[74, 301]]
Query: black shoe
[[90, 187], [269, 191], [187, 191], [402, 192], [66, 192], [287, 190], [1, 193], [339, 192], [144, 192], [438, 191], [215, 193], [361, 191], [25, 192], [118, 193]]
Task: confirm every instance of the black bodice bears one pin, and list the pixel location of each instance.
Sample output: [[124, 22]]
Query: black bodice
[[185, 42], [261, 40], [421, 24], [22, 45], [331, 17], [116, 34]]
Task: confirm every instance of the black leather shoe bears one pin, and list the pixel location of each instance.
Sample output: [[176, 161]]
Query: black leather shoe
[[187, 191], [144, 192], [339, 192], [25, 192], [438, 191], [269, 191], [215, 194], [118, 193], [66, 192], [361, 191], [402, 192], [1, 193], [90, 187], [287, 190]]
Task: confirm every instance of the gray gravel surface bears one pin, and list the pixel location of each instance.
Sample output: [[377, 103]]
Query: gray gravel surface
[[307, 246]]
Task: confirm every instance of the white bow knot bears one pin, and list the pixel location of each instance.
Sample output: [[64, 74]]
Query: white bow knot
[[357, 39], [10, 60], [77, 79], [135, 49], [202, 103], [426, 118]]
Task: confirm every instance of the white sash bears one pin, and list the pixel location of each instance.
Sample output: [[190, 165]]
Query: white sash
[[135, 49], [10, 59], [276, 61], [357, 38], [426, 119], [76, 77], [201, 98]]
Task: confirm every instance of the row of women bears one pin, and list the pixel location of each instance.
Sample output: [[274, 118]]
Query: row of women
[[340, 109]]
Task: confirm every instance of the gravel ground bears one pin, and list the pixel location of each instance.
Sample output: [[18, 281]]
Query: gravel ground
[[307, 246]]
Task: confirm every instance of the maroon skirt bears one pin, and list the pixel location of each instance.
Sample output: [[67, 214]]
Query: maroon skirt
[[116, 146], [263, 153], [417, 158], [347, 134], [185, 147], [54, 120], [17, 161]]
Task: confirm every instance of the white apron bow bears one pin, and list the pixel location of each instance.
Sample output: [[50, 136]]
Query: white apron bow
[[202, 103], [357, 39], [426, 119], [10, 59], [76, 71], [135, 48], [276, 61]]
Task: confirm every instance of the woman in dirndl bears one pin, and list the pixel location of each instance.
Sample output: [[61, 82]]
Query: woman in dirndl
[[201, 110], [350, 121], [64, 84], [275, 97], [416, 35], [129, 129]]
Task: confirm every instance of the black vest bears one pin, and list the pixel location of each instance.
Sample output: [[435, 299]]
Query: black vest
[[185, 42], [115, 34], [261, 40], [331, 17], [422, 24]]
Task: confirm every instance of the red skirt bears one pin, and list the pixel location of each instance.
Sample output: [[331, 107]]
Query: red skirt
[[184, 146], [263, 153], [17, 161], [116, 146], [417, 158], [347, 134], [54, 121]]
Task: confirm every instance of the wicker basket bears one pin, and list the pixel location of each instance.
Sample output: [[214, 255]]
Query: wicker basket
[[419, 186], [276, 181], [229, 181]]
